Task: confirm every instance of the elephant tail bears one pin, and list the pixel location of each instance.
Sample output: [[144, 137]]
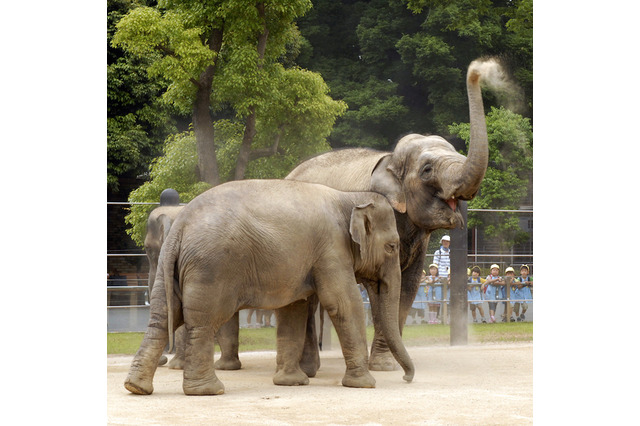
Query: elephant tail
[[169, 256]]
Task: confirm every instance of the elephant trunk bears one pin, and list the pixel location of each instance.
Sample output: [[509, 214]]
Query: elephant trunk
[[389, 293], [472, 171]]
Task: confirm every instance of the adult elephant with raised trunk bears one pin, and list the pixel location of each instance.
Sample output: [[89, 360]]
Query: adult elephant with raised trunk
[[423, 179]]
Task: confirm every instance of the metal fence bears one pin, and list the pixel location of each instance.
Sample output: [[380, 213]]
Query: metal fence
[[127, 296]]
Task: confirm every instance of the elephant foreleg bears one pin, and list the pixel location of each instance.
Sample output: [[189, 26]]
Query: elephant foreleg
[[290, 339], [346, 311], [145, 362], [381, 358], [228, 338]]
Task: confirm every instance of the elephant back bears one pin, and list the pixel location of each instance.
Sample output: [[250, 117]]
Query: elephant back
[[346, 170]]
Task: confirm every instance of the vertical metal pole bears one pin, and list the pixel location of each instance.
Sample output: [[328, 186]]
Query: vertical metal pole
[[458, 332]]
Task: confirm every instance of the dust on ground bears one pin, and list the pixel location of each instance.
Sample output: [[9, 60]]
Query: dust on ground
[[472, 384]]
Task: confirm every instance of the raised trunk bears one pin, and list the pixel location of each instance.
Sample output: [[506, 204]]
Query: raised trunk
[[389, 298], [472, 171]]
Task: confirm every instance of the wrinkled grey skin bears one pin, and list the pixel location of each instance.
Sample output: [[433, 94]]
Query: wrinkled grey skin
[[423, 179], [271, 244], [158, 226]]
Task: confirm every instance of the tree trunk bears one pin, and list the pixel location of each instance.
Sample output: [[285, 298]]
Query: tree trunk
[[203, 121], [250, 128], [245, 148]]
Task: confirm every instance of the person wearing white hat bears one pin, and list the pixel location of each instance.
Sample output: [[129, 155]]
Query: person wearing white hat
[[492, 288], [441, 256], [434, 293], [524, 290], [475, 295]]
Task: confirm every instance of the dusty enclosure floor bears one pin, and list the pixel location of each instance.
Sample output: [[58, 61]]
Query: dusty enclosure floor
[[474, 384]]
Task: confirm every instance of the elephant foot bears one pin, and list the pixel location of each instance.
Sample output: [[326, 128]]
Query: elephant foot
[[138, 386], [201, 387], [176, 363], [163, 361], [382, 361], [290, 378], [358, 379], [228, 364], [310, 366]]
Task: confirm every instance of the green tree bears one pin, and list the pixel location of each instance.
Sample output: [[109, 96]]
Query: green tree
[[508, 177], [137, 122], [177, 169], [400, 65], [223, 58], [225, 62]]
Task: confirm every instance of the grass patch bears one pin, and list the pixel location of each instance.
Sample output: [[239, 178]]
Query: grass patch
[[264, 339]]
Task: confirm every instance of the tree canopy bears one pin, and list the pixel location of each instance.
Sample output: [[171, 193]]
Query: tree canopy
[[266, 84], [137, 121], [401, 65], [224, 59]]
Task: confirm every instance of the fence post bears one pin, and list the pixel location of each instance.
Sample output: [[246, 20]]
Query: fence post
[[458, 332], [507, 311]]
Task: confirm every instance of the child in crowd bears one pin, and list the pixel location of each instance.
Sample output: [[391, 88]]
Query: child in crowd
[[525, 282], [474, 294], [491, 288], [434, 292], [510, 280]]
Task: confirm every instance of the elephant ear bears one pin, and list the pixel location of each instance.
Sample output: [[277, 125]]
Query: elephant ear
[[386, 180], [360, 227]]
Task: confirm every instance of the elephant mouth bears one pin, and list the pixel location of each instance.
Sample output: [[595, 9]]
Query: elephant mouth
[[453, 203]]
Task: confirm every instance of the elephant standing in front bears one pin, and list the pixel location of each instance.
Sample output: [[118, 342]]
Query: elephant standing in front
[[271, 244], [423, 179]]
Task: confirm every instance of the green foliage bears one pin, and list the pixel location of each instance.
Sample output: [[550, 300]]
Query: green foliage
[[137, 122], [175, 169], [399, 65], [418, 51], [506, 182], [174, 50], [294, 112]]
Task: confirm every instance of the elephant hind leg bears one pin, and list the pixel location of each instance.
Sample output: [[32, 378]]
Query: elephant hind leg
[[199, 375], [228, 339], [177, 362], [145, 362], [203, 316], [290, 342], [310, 362]]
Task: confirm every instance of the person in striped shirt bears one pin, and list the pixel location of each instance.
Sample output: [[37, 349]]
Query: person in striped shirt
[[441, 256]]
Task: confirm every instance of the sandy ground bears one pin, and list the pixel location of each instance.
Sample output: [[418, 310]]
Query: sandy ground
[[473, 384]]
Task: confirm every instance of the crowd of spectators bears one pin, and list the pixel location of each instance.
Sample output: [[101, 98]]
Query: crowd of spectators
[[493, 292]]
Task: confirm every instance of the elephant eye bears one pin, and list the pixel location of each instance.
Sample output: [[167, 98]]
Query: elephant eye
[[390, 248], [426, 171]]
